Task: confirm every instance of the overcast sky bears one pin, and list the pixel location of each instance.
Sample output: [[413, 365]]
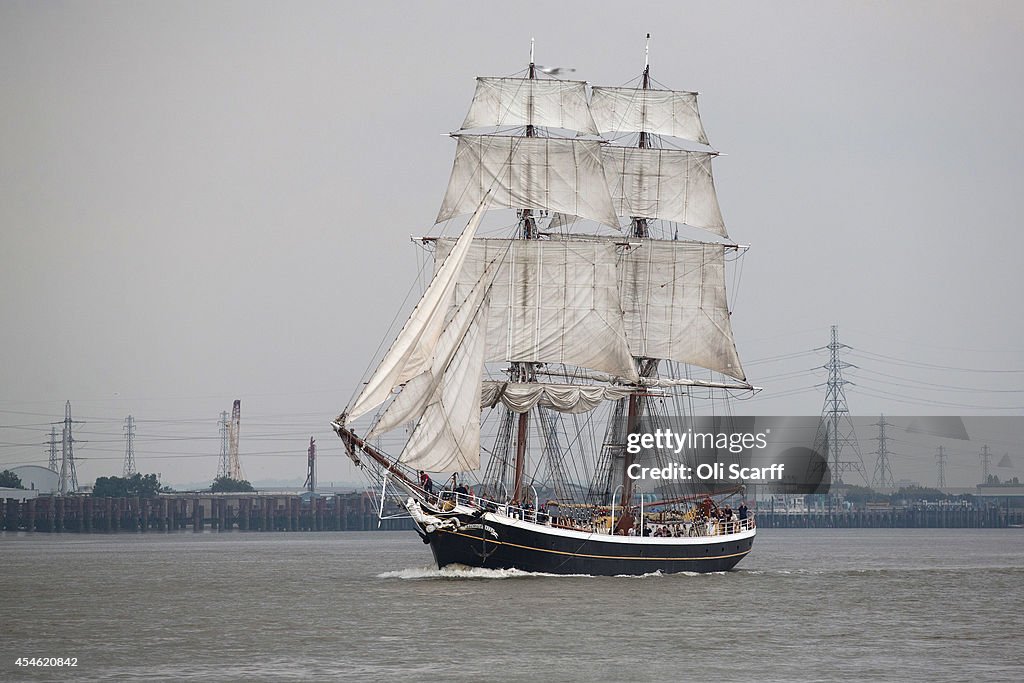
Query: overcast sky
[[203, 201]]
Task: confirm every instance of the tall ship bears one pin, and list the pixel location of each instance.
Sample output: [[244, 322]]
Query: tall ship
[[574, 306]]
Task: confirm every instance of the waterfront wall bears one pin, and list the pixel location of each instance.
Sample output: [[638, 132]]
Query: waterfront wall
[[83, 514], [902, 518], [358, 512]]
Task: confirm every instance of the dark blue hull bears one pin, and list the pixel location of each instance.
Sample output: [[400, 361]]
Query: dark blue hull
[[492, 544]]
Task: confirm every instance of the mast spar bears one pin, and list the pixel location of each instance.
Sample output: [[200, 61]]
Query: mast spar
[[650, 366], [523, 372]]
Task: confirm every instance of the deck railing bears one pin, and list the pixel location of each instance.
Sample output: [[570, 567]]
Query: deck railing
[[713, 527]]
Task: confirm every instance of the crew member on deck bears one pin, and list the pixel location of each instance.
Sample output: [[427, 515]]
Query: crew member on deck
[[426, 482]]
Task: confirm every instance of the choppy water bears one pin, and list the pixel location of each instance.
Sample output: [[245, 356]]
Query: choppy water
[[806, 605]]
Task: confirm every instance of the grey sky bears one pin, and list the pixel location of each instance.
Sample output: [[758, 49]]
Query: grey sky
[[208, 201]]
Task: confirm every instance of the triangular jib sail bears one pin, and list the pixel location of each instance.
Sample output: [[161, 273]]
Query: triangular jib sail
[[447, 436], [410, 354]]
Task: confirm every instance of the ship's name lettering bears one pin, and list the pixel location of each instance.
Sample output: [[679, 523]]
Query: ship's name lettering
[[484, 527]]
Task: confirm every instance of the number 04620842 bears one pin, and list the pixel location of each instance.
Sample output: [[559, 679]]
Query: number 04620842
[[46, 661]]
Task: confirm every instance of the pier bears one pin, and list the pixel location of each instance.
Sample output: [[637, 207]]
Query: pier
[[196, 512], [358, 512], [990, 517]]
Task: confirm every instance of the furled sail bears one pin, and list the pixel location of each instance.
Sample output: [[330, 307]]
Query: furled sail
[[411, 352], [667, 184], [646, 382], [520, 397], [675, 307], [636, 110], [546, 174], [552, 301], [526, 101]]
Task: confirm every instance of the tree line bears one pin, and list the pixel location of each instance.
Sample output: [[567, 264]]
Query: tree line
[[137, 485]]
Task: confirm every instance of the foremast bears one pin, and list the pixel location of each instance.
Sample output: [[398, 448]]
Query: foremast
[[524, 372]]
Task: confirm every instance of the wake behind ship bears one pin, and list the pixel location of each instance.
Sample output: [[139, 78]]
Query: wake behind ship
[[589, 317]]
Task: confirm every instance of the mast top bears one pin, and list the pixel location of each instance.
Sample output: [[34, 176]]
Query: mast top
[[531, 51], [646, 80]]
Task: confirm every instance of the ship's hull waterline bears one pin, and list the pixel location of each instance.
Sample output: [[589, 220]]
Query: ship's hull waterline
[[490, 542]]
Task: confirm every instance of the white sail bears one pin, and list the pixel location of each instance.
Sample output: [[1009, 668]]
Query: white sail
[[526, 101], [422, 389], [661, 112], [560, 221], [411, 352], [675, 306], [520, 397], [552, 301], [447, 437], [666, 184], [545, 174]]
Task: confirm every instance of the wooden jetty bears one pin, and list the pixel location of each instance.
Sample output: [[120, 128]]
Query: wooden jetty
[[198, 512], [358, 512], [988, 517]]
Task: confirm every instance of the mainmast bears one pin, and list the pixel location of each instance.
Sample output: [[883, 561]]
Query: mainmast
[[638, 228], [639, 225]]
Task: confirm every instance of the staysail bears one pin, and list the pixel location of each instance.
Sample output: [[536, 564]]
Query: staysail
[[463, 330], [410, 354], [447, 436]]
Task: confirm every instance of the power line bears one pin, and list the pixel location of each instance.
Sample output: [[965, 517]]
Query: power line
[[943, 387], [910, 363]]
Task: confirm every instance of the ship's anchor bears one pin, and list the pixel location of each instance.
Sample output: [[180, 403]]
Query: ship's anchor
[[483, 554]]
